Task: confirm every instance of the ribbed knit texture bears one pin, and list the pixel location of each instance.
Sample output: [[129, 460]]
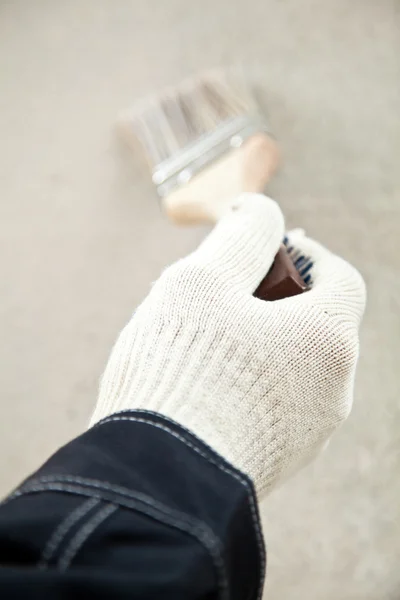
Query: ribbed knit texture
[[263, 383]]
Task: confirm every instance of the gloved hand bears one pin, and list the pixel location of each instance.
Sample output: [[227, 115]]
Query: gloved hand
[[263, 383]]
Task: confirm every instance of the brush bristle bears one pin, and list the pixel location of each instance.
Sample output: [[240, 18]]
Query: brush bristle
[[179, 116], [303, 263]]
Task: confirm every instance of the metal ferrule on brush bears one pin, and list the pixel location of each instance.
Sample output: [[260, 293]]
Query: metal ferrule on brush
[[195, 157]]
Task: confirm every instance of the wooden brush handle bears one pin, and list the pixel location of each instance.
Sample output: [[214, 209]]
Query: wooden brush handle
[[207, 196], [282, 280]]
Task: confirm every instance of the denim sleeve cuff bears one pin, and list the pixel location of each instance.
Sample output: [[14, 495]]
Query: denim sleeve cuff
[[144, 462]]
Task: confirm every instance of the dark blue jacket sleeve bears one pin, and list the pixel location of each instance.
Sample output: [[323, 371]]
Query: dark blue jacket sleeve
[[136, 507]]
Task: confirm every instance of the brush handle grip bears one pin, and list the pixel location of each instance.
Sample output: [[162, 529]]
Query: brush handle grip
[[282, 280]]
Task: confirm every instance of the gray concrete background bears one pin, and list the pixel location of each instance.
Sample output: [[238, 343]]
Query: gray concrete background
[[81, 236]]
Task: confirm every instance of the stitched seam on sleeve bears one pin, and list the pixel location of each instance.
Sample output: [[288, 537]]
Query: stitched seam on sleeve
[[201, 532], [236, 475], [83, 534], [62, 530], [158, 415], [104, 486]]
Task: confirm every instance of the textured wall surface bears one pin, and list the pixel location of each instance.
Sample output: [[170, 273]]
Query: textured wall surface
[[81, 235]]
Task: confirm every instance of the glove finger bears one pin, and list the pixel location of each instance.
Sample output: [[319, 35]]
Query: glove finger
[[243, 244], [337, 287]]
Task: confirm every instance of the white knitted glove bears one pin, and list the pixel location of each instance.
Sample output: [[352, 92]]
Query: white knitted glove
[[263, 383]]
